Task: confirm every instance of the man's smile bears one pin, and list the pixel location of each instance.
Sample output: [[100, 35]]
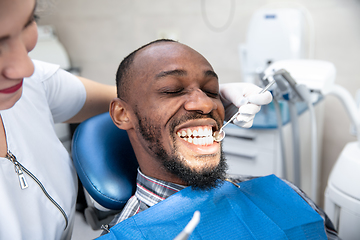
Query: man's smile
[[201, 135], [197, 137]]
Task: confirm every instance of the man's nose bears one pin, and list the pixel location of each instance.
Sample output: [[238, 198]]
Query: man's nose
[[200, 102], [17, 63]]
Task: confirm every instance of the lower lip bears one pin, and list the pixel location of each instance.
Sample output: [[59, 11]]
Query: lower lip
[[12, 89]]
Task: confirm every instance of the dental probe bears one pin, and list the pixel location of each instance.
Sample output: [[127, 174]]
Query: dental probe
[[220, 135]]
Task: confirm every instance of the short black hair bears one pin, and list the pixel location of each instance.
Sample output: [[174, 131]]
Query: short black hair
[[124, 71]]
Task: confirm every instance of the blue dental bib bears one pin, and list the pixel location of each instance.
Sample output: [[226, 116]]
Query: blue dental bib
[[262, 208]]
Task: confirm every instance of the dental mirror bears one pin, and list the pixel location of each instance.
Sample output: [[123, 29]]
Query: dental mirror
[[220, 135]]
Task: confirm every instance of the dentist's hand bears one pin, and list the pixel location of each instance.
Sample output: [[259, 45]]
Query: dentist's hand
[[245, 98]]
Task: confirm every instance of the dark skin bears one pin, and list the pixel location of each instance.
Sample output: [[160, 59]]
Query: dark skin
[[169, 82]]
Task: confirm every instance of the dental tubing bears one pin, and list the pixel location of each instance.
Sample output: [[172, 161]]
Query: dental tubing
[[291, 91], [349, 103], [305, 93]]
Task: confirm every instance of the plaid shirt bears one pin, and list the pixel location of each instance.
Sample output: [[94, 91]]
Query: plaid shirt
[[151, 191]]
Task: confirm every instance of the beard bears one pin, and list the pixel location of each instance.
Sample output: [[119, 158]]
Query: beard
[[204, 179]]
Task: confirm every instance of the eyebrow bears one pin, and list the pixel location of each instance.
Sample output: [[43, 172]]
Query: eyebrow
[[211, 73], [178, 72], [4, 38]]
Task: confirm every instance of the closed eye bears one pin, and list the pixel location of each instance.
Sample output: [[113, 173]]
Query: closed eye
[[33, 18], [168, 91], [212, 94]]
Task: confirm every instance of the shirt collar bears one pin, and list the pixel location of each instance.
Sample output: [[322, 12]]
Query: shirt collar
[[152, 191]]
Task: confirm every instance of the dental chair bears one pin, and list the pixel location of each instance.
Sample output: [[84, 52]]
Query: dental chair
[[106, 165]]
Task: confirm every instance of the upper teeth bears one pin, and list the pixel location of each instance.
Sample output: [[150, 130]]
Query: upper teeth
[[199, 136]]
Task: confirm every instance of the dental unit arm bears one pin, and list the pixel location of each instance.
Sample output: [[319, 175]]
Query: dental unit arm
[[302, 81], [288, 90], [319, 76]]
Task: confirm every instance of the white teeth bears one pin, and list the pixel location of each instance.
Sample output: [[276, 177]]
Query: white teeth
[[189, 133], [183, 133], [200, 136], [209, 140], [201, 132], [208, 132]]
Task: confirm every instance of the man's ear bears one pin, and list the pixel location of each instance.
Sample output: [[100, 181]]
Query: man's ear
[[119, 114]]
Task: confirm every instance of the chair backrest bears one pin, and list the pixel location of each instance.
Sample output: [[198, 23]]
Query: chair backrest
[[105, 161]]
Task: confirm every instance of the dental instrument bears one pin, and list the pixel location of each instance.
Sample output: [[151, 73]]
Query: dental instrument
[[189, 228], [220, 135]]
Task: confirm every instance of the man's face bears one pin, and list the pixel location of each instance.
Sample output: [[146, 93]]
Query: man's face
[[175, 98]]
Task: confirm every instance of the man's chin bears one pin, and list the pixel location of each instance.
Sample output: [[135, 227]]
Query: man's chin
[[199, 177], [202, 166]]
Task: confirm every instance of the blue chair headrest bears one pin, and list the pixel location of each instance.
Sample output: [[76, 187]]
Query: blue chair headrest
[[105, 161]]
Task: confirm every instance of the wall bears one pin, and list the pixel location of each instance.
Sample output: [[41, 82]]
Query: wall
[[99, 34]]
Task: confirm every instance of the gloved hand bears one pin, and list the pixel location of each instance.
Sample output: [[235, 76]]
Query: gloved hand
[[233, 97]]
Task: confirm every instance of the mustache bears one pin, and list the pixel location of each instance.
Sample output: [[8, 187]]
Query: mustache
[[192, 116]]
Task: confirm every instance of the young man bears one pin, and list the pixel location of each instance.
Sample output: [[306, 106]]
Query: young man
[[169, 103]]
